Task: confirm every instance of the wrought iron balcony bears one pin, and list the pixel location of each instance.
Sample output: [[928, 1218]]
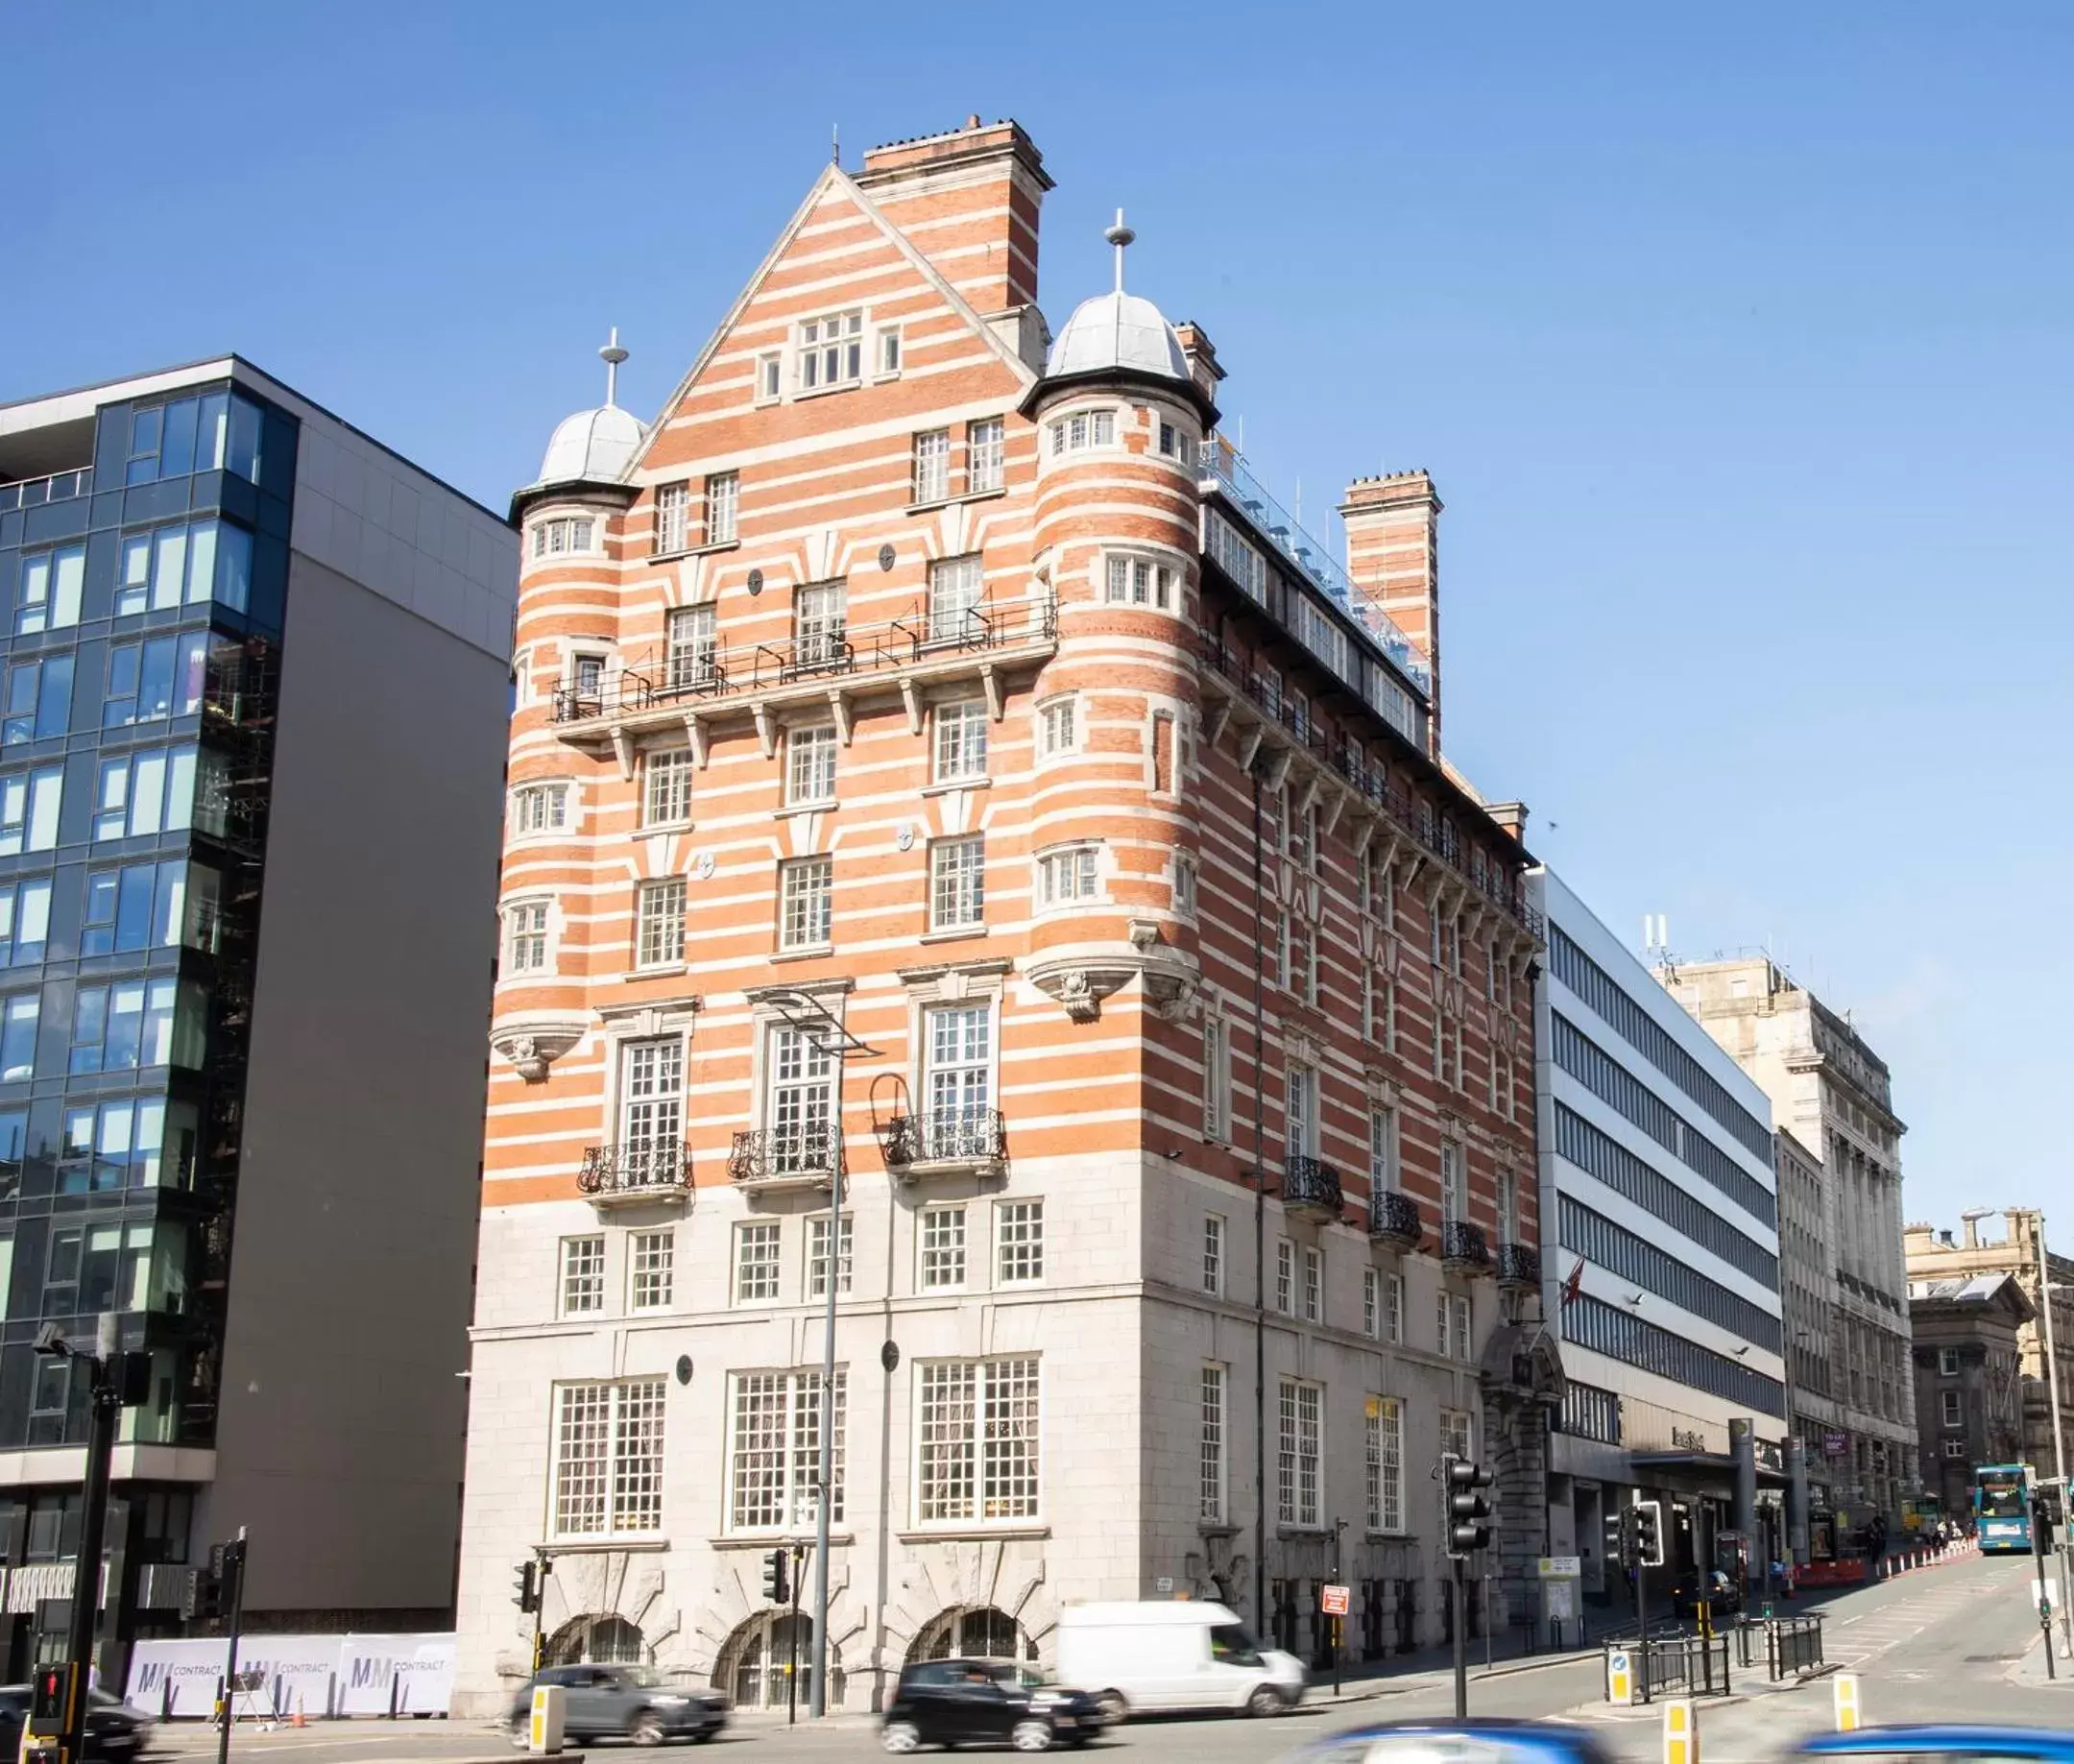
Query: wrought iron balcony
[[618, 1175], [1393, 1219], [1519, 1266], [807, 1156], [1463, 1247], [889, 656], [959, 1138], [1311, 1188]]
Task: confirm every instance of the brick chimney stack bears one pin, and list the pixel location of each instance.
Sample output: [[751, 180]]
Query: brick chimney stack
[[1393, 554], [968, 201]]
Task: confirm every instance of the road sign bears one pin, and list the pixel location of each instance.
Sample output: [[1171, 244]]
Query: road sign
[[1559, 1567], [1332, 1601], [1680, 1732], [1561, 1600], [1620, 1677], [1848, 1717]]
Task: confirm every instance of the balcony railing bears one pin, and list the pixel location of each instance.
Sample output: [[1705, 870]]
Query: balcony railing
[[636, 1172], [833, 652], [1519, 1264], [1223, 462], [57, 486], [949, 1136], [1395, 1219], [803, 1156], [1312, 1185], [1385, 792], [1464, 1248]]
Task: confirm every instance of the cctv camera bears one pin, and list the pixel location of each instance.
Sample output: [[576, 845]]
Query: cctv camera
[[50, 1339]]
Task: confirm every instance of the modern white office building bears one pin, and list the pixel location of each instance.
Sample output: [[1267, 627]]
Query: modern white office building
[[1660, 1259]]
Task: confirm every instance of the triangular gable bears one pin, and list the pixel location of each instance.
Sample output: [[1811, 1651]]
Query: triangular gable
[[831, 178]]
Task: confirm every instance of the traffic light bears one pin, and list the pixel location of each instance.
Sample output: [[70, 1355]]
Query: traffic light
[[200, 1596], [777, 1577], [49, 1700], [527, 1587], [1649, 1533], [1619, 1537], [2045, 1517], [1467, 1511]]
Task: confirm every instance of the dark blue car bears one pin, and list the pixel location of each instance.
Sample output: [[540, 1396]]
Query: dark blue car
[[1990, 1745], [1456, 1742]]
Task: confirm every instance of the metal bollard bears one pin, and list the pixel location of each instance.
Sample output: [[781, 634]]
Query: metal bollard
[[1680, 1731], [1848, 1715]]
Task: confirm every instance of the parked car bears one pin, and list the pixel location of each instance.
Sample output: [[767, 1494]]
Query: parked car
[[634, 1702], [1172, 1654], [115, 1732], [976, 1703], [1459, 1742], [2043, 1744]]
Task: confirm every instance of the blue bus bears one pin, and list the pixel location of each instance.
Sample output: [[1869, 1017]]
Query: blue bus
[[2002, 1507]]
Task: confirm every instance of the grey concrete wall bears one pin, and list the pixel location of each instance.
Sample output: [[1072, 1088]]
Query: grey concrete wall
[[341, 1434]]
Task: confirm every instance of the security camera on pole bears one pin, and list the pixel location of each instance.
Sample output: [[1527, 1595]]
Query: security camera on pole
[[1465, 1526]]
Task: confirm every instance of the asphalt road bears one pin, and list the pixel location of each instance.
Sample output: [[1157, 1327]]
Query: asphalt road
[[1954, 1642]]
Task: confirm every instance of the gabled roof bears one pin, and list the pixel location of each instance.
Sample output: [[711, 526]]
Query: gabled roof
[[831, 178]]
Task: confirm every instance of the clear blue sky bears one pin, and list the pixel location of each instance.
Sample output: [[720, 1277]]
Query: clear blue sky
[[1739, 340]]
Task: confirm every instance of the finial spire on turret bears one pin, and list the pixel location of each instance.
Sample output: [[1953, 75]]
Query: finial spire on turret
[[1119, 235], [611, 356]]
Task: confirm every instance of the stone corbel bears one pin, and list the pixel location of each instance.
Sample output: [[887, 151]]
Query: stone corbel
[[1080, 991], [531, 1048], [1334, 809], [695, 735], [912, 699], [1214, 718], [624, 751], [839, 707], [1175, 997], [1312, 785], [1278, 772], [1250, 744], [766, 728], [997, 701], [1362, 834]]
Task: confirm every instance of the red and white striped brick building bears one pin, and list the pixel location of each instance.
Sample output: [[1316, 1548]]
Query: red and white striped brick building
[[920, 671]]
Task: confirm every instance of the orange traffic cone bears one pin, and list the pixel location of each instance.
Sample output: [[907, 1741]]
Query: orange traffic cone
[[297, 1718]]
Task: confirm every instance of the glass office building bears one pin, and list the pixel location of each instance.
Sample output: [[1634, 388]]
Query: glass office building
[[155, 577]]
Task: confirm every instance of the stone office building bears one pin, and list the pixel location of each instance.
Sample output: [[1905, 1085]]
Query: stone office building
[[1834, 1095], [940, 769], [256, 680], [1968, 1369]]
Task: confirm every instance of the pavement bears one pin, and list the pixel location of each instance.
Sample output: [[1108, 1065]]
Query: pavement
[[1957, 1641]]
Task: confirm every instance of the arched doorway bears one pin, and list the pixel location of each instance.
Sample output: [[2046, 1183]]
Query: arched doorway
[[976, 1631], [764, 1655], [606, 1640]]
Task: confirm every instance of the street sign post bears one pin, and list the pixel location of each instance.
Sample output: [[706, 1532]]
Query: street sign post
[[1332, 1601], [1559, 1567]]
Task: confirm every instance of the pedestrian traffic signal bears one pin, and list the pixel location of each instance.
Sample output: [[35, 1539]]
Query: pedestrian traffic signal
[[2044, 1518], [1467, 1511], [1649, 1533], [49, 1700], [777, 1577], [527, 1587]]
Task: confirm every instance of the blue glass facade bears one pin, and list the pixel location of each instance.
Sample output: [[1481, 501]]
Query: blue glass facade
[[141, 605]]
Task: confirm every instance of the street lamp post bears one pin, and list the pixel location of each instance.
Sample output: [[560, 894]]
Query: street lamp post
[[2046, 1290], [117, 1380], [826, 1034]]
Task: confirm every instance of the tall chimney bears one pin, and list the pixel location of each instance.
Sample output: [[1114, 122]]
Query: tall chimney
[[1393, 554], [968, 202]]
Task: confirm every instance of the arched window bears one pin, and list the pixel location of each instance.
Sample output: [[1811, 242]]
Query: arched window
[[981, 1633], [765, 1655], [606, 1640]]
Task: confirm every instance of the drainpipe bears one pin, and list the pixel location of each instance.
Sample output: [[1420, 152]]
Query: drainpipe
[[1260, 1226]]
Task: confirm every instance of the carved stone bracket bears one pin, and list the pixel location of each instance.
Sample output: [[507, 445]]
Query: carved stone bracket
[[532, 1048], [1078, 980]]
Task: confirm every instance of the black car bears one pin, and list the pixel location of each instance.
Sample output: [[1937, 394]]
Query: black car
[[115, 1732], [976, 1703], [633, 1702]]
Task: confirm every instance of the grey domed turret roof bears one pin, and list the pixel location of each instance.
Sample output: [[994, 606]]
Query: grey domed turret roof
[[591, 448], [1117, 331]]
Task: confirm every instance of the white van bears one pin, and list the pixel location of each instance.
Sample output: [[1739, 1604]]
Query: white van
[[1172, 1654]]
